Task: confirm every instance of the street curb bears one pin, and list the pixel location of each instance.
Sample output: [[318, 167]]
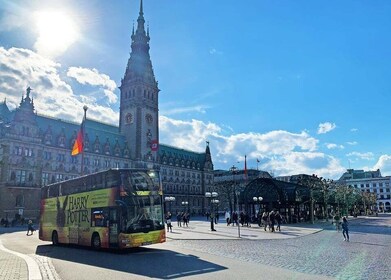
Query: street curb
[[32, 267]]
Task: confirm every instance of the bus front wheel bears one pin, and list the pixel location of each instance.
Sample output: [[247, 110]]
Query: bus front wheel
[[55, 238], [95, 241]]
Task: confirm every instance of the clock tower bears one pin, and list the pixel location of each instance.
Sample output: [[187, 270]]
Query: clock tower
[[139, 110]]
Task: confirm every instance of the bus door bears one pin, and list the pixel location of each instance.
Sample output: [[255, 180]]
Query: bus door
[[74, 234], [113, 226]]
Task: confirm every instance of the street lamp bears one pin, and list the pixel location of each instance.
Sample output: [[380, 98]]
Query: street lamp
[[211, 196], [256, 199], [169, 199], [215, 202], [184, 204]]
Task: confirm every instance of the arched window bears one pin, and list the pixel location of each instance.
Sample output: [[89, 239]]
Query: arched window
[[19, 200]]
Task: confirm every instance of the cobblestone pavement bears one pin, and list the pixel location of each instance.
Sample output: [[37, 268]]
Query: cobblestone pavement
[[366, 256], [12, 267]]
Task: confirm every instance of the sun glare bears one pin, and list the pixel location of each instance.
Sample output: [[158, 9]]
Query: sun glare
[[56, 32]]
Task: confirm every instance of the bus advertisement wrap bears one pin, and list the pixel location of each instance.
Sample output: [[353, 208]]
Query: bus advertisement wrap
[[103, 218]]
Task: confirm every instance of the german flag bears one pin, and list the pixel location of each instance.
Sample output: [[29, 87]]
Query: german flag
[[78, 145]]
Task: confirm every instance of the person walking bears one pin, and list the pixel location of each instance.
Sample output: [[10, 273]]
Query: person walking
[[179, 219], [278, 219], [345, 229], [168, 221], [227, 217], [235, 219], [272, 220], [265, 218], [30, 228]]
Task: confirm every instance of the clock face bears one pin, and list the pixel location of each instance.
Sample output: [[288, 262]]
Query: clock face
[[129, 118], [149, 118]]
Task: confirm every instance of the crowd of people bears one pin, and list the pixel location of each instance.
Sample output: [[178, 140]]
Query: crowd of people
[[183, 219]]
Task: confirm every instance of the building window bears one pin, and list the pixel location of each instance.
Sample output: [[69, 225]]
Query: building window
[[20, 176], [117, 164], [107, 163], [45, 179], [18, 151], [59, 177], [96, 162], [47, 155], [28, 152], [61, 158], [19, 201]]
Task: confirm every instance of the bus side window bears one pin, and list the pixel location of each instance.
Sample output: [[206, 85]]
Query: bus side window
[[99, 217]]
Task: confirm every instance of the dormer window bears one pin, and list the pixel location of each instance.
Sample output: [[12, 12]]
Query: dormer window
[[48, 139], [61, 141]]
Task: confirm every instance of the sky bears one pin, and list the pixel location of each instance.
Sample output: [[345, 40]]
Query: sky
[[296, 86]]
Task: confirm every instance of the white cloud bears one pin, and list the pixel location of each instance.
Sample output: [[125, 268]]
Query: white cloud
[[94, 78], [20, 68], [332, 146], [213, 51], [180, 110], [367, 156], [281, 151], [354, 129], [384, 164], [326, 127], [352, 143]]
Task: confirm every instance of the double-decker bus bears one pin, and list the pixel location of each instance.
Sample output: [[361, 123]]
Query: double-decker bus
[[115, 208]]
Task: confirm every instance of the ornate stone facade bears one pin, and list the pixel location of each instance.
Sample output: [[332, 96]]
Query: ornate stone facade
[[35, 150]]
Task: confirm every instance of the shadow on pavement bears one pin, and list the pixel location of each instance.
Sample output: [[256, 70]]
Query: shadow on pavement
[[148, 262]]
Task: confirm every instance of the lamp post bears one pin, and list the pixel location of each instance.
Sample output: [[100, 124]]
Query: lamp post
[[211, 196], [169, 199], [215, 202], [184, 204], [258, 199]]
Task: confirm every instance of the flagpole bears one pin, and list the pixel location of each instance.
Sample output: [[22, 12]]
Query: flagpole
[[82, 150]]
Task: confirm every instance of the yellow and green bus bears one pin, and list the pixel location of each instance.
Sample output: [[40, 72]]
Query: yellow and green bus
[[115, 208]]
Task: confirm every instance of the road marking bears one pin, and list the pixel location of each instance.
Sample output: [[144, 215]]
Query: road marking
[[32, 266], [189, 272]]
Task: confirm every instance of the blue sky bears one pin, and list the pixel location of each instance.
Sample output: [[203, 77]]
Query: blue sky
[[302, 86]]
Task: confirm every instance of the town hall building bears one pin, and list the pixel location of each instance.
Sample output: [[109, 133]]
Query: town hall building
[[35, 150]]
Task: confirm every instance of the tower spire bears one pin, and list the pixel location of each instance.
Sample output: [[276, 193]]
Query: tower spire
[[141, 8]]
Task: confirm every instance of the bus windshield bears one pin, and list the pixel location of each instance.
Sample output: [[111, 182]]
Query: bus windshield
[[140, 193], [142, 214]]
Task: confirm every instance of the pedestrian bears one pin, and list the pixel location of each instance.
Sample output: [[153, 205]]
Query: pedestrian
[[265, 218], [179, 219], [247, 219], [30, 228], [227, 217], [186, 219], [345, 229], [272, 220], [235, 219], [278, 219], [168, 221]]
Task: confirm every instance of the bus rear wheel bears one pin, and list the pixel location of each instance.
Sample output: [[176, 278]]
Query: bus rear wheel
[[95, 242], [55, 238]]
